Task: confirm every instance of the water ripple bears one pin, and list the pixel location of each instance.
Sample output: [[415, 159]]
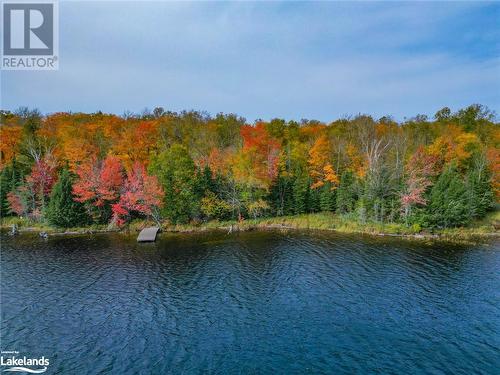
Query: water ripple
[[273, 302]]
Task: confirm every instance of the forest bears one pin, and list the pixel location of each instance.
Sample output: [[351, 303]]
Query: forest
[[77, 169]]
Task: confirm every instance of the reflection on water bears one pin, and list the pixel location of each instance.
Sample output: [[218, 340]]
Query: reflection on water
[[259, 302]]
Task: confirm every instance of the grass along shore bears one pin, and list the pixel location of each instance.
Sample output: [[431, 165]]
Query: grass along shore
[[478, 230]]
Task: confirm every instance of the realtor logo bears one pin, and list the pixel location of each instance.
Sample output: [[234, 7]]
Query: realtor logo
[[30, 35]]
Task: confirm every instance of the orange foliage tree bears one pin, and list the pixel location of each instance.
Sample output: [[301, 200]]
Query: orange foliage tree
[[357, 163], [320, 168], [10, 139], [454, 145], [136, 142], [493, 156], [259, 156]]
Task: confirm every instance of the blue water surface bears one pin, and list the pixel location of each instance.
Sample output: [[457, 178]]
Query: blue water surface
[[251, 303]]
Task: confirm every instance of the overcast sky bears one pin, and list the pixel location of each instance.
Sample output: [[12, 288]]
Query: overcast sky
[[318, 60]]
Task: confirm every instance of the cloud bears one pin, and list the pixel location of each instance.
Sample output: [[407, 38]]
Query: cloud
[[273, 59]]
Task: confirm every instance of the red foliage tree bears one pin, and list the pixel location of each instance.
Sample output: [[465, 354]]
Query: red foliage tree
[[99, 183], [42, 177], [420, 169], [141, 193], [111, 179], [16, 204], [30, 197]]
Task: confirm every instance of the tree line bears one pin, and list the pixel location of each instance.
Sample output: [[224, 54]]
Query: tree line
[[73, 169]]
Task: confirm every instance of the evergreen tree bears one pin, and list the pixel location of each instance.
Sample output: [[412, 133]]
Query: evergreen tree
[[449, 206], [5, 188], [10, 178], [281, 196], [176, 172], [63, 210], [314, 202], [380, 188], [301, 194], [346, 193], [480, 192], [327, 198]]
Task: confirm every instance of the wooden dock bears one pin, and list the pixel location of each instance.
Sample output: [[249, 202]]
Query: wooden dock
[[148, 234]]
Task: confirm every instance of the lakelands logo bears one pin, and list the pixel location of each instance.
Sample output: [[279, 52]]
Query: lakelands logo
[[13, 363], [30, 35]]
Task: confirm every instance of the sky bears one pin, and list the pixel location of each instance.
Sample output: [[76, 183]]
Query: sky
[[262, 60]]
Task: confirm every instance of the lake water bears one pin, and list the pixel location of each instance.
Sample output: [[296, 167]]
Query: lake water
[[251, 303]]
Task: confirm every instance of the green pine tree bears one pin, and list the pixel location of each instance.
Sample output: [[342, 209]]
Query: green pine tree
[[449, 205], [314, 202], [346, 193], [62, 210], [5, 188], [327, 198], [281, 196], [480, 192], [301, 194], [9, 180], [176, 171]]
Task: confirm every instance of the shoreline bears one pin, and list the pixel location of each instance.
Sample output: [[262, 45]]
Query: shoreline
[[477, 232]]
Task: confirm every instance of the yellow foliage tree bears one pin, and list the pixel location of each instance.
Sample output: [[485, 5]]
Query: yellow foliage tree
[[455, 145], [356, 161], [320, 168]]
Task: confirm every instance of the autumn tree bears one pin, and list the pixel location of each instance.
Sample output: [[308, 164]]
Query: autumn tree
[[30, 197], [10, 144], [98, 186], [220, 167], [10, 178], [420, 170], [18, 202], [227, 129], [214, 207], [260, 155], [39, 184], [320, 168], [257, 208], [493, 158], [136, 142], [141, 194], [455, 146]]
